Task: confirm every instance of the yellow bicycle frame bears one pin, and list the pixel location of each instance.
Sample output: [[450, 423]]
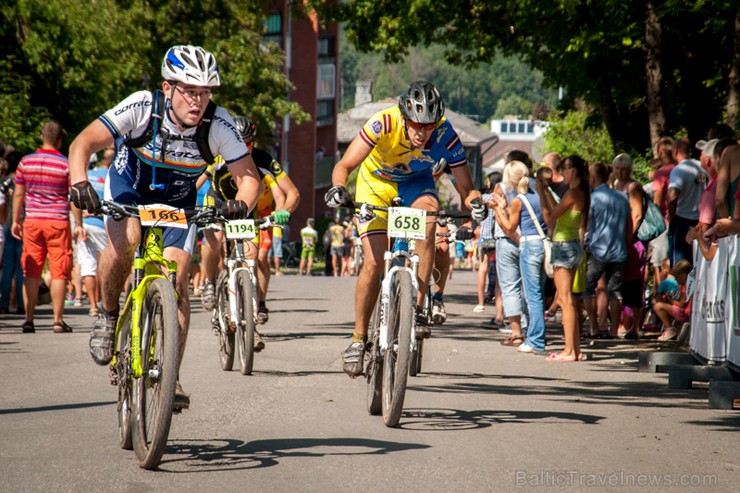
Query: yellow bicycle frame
[[148, 266]]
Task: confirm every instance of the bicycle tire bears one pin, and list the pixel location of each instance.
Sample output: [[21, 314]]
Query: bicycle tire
[[226, 335], [398, 355], [245, 322], [123, 369], [154, 392], [374, 364], [416, 356]]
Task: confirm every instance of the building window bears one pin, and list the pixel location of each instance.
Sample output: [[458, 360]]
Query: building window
[[325, 112], [521, 128], [512, 128], [326, 75], [530, 128], [274, 28], [503, 127]]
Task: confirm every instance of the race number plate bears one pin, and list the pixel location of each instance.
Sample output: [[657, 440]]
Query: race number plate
[[242, 229], [405, 222], [162, 215]]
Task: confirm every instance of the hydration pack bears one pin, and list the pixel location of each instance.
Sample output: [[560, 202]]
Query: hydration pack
[[201, 131]]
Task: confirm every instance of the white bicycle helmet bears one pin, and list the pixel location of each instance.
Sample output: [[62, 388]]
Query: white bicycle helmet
[[190, 65]]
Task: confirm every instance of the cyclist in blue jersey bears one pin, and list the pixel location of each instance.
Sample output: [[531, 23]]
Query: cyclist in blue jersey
[[162, 167]]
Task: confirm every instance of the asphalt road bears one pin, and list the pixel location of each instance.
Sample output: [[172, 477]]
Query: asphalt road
[[480, 417]]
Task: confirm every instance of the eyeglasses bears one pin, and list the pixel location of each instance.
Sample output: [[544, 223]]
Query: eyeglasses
[[421, 126], [191, 95]]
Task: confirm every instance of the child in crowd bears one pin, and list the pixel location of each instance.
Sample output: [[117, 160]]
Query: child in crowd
[[671, 303]]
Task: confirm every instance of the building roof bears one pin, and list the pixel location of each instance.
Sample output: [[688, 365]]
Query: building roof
[[350, 122]]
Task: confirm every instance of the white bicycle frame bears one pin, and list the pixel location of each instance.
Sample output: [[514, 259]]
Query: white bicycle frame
[[385, 293], [230, 264]]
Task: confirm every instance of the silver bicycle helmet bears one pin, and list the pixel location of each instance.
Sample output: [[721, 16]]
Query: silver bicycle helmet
[[421, 103], [190, 65], [245, 126]]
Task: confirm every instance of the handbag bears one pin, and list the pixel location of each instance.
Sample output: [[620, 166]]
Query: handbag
[[549, 269], [488, 244], [652, 224]]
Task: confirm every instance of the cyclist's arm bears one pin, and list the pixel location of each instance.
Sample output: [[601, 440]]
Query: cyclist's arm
[[247, 180], [94, 138], [292, 195], [464, 184], [277, 195], [356, 153]]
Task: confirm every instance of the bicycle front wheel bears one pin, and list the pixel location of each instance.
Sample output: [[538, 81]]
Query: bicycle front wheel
[[245, 322], [398, 355], [225, 328], [123, 371], [154, 391]]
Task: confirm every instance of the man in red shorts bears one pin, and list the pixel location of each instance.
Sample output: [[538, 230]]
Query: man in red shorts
[[41, 189]]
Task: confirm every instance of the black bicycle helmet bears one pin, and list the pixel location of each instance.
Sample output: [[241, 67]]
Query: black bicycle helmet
[[245, 126], [421, 103]]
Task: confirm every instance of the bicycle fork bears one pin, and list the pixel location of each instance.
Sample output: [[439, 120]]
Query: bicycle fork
[[233, 308], [385, 295]]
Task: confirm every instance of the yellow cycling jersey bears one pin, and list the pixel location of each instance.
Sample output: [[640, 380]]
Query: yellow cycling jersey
[[393, 159], [270, 173]]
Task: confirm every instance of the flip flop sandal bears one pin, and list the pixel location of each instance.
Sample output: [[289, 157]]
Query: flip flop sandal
[[28, 327], [61, 328], [512, 341]]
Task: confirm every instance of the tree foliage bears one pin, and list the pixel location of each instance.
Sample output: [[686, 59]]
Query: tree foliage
[[577, 133], [505, 86], [73, 60], [593, 48]]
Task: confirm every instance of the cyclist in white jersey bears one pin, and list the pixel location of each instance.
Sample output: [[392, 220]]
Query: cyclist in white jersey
[[163, 169]]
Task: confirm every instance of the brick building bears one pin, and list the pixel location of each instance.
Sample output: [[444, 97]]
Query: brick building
[[311, 65]]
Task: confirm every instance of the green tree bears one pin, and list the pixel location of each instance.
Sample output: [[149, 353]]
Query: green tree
[[73, 60], [597, 50], [475, 92], [577, 133]]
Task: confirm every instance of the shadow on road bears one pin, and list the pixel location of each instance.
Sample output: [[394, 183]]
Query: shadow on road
[[631, 394], [227, 455], [457, 419], [59, 407]]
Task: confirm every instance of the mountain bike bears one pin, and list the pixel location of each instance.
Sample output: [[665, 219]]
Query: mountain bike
[[147, 334], [393, 340], [235, 314]]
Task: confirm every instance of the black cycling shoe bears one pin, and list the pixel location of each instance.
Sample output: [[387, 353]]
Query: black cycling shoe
[[182, 398], [101, 337]]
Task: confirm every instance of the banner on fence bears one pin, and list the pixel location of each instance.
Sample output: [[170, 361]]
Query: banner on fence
[[708, 313], [733, 303]]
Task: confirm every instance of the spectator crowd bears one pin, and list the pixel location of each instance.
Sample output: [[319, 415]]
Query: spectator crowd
[[581, 218]]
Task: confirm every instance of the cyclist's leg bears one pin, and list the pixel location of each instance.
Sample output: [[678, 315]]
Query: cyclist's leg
[[263, 264], [425, 248], [114, 266]]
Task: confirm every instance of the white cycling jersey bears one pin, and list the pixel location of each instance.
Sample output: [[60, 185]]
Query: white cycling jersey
[[130, 119]]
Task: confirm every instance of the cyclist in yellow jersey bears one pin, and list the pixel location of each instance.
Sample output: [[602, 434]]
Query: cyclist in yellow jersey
[[397, 151], [278, 187]]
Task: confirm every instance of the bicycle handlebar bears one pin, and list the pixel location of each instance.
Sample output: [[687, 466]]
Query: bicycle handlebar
[[200, 216], [370, 208]]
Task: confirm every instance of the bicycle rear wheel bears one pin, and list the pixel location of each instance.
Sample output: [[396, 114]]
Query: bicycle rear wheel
[[415, 364], [245, 322], [398, 355], [374, 364], [225, 331], [125, 387], [154, 392]]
